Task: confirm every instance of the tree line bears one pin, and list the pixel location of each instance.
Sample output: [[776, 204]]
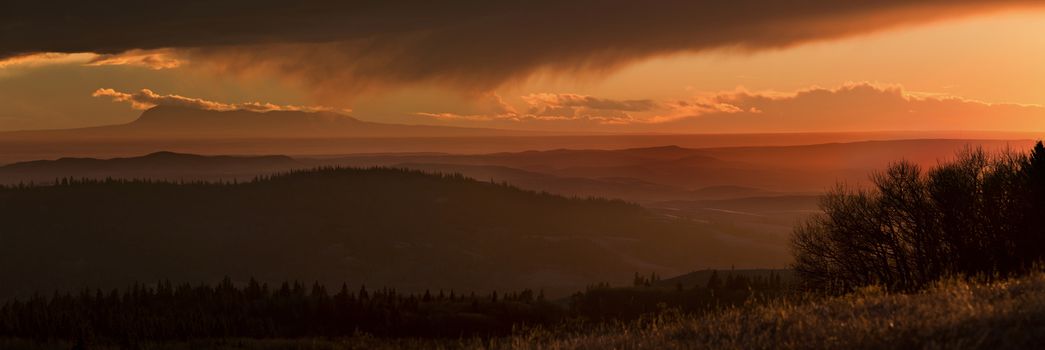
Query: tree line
[[650, 294], [164, 311]]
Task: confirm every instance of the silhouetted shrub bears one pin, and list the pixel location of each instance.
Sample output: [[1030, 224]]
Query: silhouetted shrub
[[981, 214]]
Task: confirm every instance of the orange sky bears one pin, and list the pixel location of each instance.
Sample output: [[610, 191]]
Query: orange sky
[[978, 71]]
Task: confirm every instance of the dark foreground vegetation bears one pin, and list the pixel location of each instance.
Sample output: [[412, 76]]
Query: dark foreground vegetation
[[166, 312], [979, 215], [946, 259], [952, 314], [292, 310]]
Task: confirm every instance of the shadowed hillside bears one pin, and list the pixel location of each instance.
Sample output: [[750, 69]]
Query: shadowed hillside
[[382, 227], [639, 174], [129, 140]]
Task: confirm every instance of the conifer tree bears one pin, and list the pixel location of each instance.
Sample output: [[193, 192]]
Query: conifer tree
[[714, 282]]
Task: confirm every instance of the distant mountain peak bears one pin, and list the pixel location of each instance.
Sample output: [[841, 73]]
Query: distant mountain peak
[[166, 154], [187, 122], [175, 156], [669, 149]]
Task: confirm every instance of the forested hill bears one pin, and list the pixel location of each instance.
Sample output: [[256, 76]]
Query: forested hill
[[383, 227]]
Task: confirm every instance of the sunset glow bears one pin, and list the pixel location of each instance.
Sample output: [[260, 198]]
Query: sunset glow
[[522, 174], [986, 55]]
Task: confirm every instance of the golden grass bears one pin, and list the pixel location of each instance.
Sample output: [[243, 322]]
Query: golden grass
[[953, 314]]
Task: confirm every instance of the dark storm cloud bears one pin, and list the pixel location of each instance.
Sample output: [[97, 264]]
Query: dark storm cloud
[[470, 44]]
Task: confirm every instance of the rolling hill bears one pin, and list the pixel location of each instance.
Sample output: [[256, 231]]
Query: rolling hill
[[157, 166], [644, 175], [382, 227], [299, 134], [787, 169]]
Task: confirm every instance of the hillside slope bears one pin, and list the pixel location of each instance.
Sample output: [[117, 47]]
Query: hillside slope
[[953, 315], [789, 169], [156, 166], [382, 227]]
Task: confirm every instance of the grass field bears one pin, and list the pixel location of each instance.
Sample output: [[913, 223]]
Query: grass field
[[954, 314]]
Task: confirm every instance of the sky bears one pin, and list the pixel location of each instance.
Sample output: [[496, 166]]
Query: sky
[[571, 66]]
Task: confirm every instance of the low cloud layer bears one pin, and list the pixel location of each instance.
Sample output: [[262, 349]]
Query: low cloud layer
[[146, 99], [472, 45], [152, 59], [852, 107], [561, 107], [44, 59], [859, 107]]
